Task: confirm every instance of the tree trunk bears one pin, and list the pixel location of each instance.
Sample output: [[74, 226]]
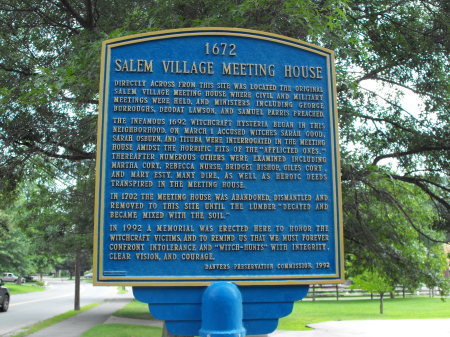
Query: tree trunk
[[381, 303], [77, 281]]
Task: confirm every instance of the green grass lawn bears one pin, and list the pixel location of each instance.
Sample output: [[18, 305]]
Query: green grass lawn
[[304, 313], [15, 289], [321, 311], [122, 330], [308, 312]]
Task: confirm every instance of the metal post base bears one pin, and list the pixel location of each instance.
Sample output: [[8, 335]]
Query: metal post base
[[222, 311]]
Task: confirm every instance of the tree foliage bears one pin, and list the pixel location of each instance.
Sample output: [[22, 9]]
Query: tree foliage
[[389, 228], [395, 162], [373, 282], [14, 251], [55, 217]]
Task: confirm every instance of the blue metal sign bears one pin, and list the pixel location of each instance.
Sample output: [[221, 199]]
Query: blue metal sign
[[217, 159]]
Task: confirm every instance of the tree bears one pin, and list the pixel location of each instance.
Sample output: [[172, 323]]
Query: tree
[[401, 244], [56, 218], [14, 252], [49, 50], [372, 281]]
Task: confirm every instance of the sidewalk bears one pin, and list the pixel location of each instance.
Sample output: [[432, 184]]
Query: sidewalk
[[384, 328], [76, 325]]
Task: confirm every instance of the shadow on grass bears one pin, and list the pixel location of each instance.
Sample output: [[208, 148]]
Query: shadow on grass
[[135, 310]]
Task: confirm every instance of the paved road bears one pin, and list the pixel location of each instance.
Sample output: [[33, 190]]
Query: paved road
[[28, 309]]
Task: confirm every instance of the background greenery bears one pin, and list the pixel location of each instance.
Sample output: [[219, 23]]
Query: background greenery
[[395, 161]]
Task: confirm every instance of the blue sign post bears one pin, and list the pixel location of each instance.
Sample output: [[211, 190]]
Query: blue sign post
[[217, 160]]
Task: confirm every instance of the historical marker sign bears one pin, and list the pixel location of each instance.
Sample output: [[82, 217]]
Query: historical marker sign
[[217, 159]]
